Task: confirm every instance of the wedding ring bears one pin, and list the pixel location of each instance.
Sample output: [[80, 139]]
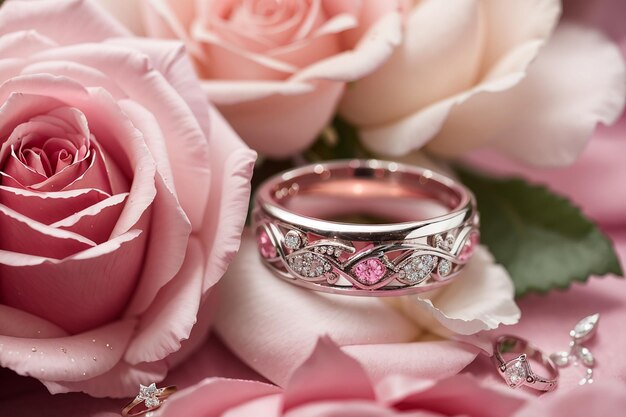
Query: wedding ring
[[149, 399], [517, 371], [365, 227]]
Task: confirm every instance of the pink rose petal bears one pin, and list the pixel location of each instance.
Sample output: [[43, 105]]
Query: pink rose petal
[[56, 292], [109, 125], [24, 235], [17, 109], [84, 74], [303, 115], [423, 359], [226, 394], [66, 358], [211, 359], [23, 43], [127, 12], [172, 315], [228, 92], [456, 396], [229, 197], [166, 248], [89, 21], [167, 19], [25, 325], [310, 382], [120, 381], [170, 236], [169, 58], [331, 383], [96, 222], [373, 49]]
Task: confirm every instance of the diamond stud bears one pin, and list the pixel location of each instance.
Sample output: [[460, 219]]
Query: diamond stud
[[445, 267], [516, 372], [151, 397], [293, 239]]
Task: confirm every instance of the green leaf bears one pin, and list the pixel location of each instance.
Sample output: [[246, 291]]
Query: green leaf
[[543, 240], [340, 140]]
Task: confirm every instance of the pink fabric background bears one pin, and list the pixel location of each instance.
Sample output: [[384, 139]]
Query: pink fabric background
[[547, 320]]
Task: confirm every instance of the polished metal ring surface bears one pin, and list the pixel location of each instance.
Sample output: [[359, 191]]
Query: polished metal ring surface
[[517, 370], [365, 227]]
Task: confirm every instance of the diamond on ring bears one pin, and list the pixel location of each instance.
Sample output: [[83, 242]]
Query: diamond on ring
[[293, 240], [151, 397]]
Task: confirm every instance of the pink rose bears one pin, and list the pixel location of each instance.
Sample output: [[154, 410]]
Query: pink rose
[[491, 74], [122, 198], [331, 384], [275, 69], [272, 325]]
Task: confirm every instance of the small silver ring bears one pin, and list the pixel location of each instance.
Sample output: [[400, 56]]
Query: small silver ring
[[517, 371]]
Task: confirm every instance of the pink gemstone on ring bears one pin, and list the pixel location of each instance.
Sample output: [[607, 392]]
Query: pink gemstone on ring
[[265, 245], [369, 271], [468, 247]]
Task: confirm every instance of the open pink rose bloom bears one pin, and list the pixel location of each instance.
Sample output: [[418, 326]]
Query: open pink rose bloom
[[122, 198], [128, 139]]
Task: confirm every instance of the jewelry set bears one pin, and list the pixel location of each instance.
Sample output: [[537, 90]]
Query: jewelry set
[[376, 228]]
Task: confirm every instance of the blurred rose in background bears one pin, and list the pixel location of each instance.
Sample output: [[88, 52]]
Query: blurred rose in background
[[275, 69]]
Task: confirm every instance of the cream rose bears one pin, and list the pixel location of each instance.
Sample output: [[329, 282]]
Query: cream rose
[[488, 73]]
